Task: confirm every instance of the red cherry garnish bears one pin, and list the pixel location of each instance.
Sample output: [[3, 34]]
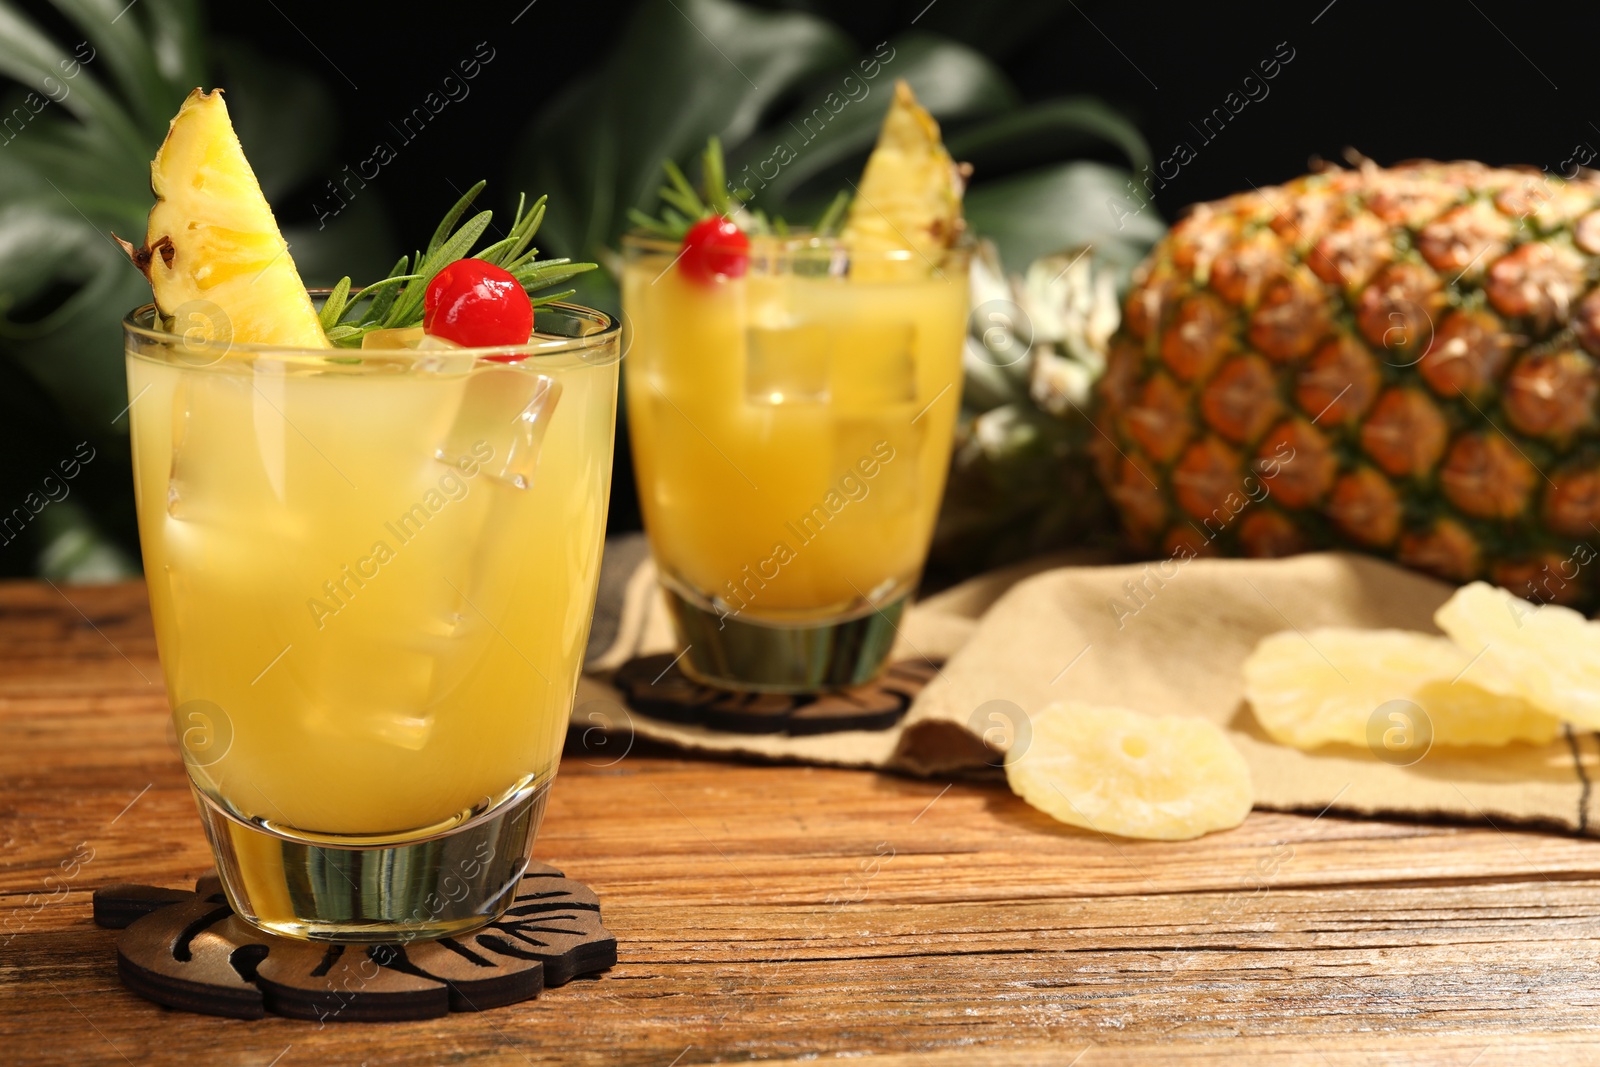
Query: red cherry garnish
[[714, 248], [478, 305]]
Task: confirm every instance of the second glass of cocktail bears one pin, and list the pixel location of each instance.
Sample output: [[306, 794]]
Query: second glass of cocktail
[[791, 402], [372, 535], [791, 433], [372, 580]]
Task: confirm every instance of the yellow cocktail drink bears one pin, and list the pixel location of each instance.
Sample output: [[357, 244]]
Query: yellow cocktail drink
[[791, 433], [371, 575]]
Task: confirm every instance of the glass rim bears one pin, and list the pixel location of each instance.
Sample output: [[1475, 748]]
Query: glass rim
[[804, 244], [608, 331]]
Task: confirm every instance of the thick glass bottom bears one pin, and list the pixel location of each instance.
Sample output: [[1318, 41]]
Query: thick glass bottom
[[317, 887], [731, 653]]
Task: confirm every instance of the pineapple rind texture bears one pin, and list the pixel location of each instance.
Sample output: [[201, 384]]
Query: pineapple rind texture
[[1546, 654], [1121, 772], [1400, 361], [1324, 686], [216, 258]]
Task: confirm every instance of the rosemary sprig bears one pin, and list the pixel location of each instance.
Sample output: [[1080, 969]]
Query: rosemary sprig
[[684, 205], [828, 225], [395, 301]]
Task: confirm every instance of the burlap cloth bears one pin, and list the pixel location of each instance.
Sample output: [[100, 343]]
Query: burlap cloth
[[1165, 638]]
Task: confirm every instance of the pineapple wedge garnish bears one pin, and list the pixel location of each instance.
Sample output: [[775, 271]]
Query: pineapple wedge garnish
[[216, 261], [909, 198]]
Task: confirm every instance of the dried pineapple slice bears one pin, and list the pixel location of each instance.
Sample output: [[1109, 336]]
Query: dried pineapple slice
[[1547, 654], [1120, 772], [909, 198], [1324, 687]]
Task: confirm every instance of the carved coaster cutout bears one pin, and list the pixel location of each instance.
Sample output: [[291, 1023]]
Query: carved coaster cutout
[[655, 686], [188, 950]]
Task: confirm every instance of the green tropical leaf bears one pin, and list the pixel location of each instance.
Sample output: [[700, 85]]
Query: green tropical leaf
[[40, 242], [118, 45], [1048, 132], [68, 354], [682, 71], [177, 40], [30, 57], [828, 128], [76, 550], [1043, 211], [77, 169], [794, 162]]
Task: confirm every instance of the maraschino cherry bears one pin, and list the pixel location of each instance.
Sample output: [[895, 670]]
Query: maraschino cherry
[[478, 305], [714, 248]]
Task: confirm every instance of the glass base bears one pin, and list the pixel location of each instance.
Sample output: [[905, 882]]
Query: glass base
[[326, 888], [731, 653]]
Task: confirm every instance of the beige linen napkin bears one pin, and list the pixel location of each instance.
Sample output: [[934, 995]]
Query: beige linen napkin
[[1164, 638]]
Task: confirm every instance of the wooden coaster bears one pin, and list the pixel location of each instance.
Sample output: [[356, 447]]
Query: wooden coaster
[[655, 686], [188, 950]]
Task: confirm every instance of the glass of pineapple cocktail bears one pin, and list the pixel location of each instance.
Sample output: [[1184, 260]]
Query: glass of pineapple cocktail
[[372, 582], [791, 402], [791, 433], [791, 405], [372, 537]]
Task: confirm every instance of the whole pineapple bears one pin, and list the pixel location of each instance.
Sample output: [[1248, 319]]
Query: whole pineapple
[[1396, 360]]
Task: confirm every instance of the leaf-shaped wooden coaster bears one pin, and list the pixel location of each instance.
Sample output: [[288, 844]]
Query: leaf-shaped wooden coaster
[[655, 686], [188, 950]]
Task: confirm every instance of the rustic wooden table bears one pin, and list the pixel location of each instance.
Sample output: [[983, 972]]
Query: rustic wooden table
[[794, 913]]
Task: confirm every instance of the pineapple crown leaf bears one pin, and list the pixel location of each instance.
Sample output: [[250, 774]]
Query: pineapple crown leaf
[[683, 205], [396, 301]]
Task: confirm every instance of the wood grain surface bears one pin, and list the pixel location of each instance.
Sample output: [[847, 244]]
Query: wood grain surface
[[794, 913]]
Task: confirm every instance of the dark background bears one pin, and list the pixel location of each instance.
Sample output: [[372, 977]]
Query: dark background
[[1501, 82]]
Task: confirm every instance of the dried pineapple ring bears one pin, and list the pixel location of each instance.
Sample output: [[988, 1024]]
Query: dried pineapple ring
[[1547, 654], [1323, 687], [1120, 772]]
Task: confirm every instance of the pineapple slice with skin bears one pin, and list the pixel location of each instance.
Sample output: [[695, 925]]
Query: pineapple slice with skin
[[1325, 687], [218, 266], [909, 198], [1120, 772], [1545, 653]]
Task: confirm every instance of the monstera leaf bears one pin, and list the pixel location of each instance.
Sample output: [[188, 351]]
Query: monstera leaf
[[680, 72], [79, 123], [829, 148], [1043, 211]]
